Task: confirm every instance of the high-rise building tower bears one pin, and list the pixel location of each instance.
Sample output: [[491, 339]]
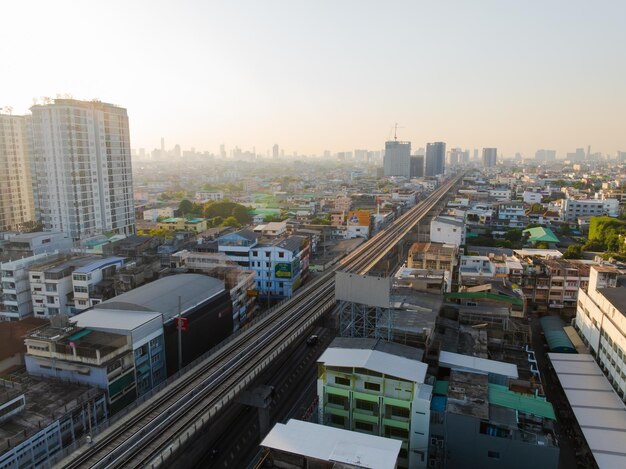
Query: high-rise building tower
[[435, 159], [397, 161], [490, 157], [417, 166], [83, 171], [458, 157], [16, 189], [545, 155], [275, 151]]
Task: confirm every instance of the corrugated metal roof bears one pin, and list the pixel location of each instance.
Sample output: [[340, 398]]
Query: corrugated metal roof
[[503, 396], [162, 294], [540, 233], [599, 411], [381, 362], [334, 444], [557, 339], [98, 264], [461, 362]]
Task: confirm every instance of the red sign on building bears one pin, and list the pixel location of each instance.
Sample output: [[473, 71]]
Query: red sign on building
[[181, 323]]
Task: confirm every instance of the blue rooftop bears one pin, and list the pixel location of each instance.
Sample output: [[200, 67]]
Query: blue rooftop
[[99, 264]]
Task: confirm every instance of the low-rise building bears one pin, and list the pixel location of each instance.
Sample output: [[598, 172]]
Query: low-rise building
[[280, 266], [86, 278], [63, 350], [31, 244], [432, 256], [43, 416], [377, 387], [358, 224], [571, 208], [299, 444], [477, 422], [196, 225], [209, 196], [237, 246], [16, 300], [447, 230]]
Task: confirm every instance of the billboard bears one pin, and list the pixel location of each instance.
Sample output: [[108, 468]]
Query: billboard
[[282, 270], [363, 289]]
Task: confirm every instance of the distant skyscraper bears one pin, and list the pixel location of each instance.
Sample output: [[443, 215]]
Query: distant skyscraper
[[545, 155], [223, 151], [16, 187], [417, 166], [177, 152], [275, 151], [457, 156], [621, 156], [490, 157], [397, 161], [163, 155], [577, 156], [81, 151], [435, 159]]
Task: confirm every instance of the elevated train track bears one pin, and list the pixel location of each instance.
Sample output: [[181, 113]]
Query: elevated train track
[[164, 424]]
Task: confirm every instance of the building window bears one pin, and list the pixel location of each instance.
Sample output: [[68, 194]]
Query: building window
[[393, 432], [336, 400], [360, 404], [363, 426], [337, 420], [342, 381], [372, 386]]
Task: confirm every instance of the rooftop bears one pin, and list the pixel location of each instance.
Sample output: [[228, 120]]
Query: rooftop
[[615, 296], [600, 412], [330, 444], [457, 361], [46, 400], [113, 320], [541, 234], [377, 355], [98, 264], [162, 295]]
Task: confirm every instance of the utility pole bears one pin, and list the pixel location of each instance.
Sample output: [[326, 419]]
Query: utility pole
[[179, 325]]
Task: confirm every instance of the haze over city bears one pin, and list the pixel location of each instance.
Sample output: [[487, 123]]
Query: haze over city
[[331, 75]]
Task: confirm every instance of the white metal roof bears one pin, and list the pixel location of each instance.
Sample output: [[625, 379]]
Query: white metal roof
[[600, 412], [115, 320], [457, 361], [334, 444], [381, 362]]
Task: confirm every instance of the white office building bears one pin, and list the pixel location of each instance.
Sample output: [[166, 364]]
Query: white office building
[[81, 152]]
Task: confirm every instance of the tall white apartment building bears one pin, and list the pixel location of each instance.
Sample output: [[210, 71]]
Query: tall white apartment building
[[397, 161], [16, 190], [81, 152]]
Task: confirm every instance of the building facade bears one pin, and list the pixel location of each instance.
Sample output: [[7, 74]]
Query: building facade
[[376, 387], [397, 161], [16, 188], [490, 157], [435, 162], [81, 152]]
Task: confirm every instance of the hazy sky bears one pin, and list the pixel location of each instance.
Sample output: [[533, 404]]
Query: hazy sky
[[331, 74]]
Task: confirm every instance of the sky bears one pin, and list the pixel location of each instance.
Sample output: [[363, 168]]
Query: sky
[[330, 74]]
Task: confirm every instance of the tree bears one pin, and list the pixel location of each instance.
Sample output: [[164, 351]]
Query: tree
[[241, 214], [231, 221], [532, 225], [564, 229], [184, 207], [574, 251], [514, 235], [537, 208]]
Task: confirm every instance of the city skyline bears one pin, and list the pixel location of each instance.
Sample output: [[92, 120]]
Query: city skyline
[[333, 76]]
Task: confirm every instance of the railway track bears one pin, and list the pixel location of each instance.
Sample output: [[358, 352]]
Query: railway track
[[161, 425]]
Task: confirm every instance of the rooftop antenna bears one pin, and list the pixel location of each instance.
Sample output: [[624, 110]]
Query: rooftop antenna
[[395, 132]]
